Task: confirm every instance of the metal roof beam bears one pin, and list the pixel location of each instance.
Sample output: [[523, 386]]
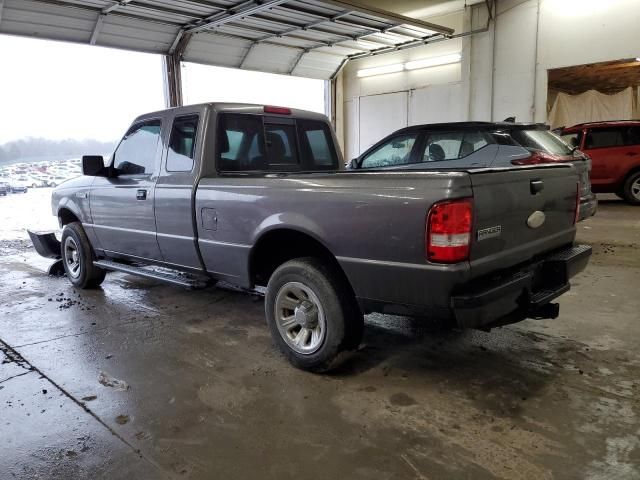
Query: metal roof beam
[[232, 14], [111, 8], [387, 15], [96, 29], [1, 7]]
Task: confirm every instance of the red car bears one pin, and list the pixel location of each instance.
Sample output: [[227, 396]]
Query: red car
[[614, 148]]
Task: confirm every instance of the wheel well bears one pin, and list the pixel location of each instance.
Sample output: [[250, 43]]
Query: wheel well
[[66, 216], [279, 246], [635, 169]]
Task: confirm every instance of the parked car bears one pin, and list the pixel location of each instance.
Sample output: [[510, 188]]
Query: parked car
[[614, 149], [477, 145], [254, 196], [4, 187], [19, 186]]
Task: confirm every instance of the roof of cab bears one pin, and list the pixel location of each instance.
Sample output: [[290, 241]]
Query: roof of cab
[[229, 107]]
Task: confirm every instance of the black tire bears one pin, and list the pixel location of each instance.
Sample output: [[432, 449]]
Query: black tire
[[80, 270], [631, 189], [338, 313]]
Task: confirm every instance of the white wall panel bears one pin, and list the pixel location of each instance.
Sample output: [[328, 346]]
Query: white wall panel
[[380, 115], [437, 103], [352, 129]]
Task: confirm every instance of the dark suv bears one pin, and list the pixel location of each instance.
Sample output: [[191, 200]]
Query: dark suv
[[477, 145], [614, 149]]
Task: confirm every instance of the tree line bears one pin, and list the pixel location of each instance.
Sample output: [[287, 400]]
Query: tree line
[[41, 147]]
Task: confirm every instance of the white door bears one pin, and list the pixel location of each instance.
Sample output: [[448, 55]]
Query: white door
[[436, 104], [379, 116]]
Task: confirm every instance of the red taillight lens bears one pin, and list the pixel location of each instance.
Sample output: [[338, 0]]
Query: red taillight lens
[[449, 227], [536, 158], [577, 212], [277, 110]]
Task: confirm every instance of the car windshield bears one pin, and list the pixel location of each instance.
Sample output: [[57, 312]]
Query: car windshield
[[543, 140]]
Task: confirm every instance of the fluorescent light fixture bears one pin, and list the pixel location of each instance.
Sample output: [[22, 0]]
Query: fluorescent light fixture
[[413, 65], [637, 59], [368, 72], [433, 61]]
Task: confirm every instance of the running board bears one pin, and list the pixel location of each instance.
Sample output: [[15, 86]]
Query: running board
[[177, 278]]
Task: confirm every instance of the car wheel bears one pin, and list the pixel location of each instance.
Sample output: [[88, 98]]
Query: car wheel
[[310, 314], [631, 189], [78, 256]]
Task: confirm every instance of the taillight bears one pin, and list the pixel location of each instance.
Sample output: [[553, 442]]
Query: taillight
[[277, 110], [448, 235], [537, 158], [577, 212]]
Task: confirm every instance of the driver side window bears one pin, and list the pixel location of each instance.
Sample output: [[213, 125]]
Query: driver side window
[[397, 151], [136, 153]]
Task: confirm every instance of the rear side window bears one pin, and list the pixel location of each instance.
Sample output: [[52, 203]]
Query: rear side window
[[240, 143], [136, 152], [541, 140], [182, 144], [396, 151], [572, 139], [316, 144], [605, 137], [441, 146]]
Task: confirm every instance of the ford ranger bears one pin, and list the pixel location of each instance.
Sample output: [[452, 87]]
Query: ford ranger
[[257, 196]]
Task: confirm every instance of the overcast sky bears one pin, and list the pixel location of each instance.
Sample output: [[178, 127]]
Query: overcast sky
[[60, 90]]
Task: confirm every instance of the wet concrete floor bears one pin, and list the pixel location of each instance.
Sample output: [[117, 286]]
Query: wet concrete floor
[[203, 394]]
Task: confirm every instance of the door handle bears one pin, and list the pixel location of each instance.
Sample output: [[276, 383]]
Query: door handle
[[141, 195], [631, 154], [536, 186]]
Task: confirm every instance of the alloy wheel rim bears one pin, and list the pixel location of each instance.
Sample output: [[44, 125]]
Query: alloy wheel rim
[[300, 318], [72, 257], [635, 188]]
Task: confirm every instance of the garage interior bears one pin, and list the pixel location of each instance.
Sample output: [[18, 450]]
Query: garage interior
[[206, 394]]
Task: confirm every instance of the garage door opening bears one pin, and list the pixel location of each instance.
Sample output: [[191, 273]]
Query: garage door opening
[[594, 92], [204, 83]]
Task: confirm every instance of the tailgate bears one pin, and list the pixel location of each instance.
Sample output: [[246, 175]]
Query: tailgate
[[521, 213]]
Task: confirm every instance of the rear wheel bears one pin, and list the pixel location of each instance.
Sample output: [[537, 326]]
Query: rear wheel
[[310, 312], [631, 189], [78, 256]]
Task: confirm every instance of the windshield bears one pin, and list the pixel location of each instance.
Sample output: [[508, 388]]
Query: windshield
[[543, 140]]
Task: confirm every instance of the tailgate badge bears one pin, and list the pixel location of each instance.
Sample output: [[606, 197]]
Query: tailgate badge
[[536, 219], [490, 232]]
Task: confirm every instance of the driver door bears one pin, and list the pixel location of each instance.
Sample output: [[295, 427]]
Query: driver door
[[122, 207]]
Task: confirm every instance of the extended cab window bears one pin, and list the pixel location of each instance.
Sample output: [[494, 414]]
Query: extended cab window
[[182, 144], [441, 146], [396, 151], [136, 152]]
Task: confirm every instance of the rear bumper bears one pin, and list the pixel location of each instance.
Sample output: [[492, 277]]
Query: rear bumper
[[588, 206], [523, 293]]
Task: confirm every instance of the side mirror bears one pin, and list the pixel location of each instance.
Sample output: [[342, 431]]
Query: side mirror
[[93, 165], [352, 164]]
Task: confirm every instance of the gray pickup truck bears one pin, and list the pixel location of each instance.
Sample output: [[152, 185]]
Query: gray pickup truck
[[256, 196]]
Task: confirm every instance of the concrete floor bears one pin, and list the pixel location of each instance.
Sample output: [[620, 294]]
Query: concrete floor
[[209, 397]]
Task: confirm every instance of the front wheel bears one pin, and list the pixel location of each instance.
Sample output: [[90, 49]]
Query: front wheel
[[310, 313], [78, 256], [631, 189]]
